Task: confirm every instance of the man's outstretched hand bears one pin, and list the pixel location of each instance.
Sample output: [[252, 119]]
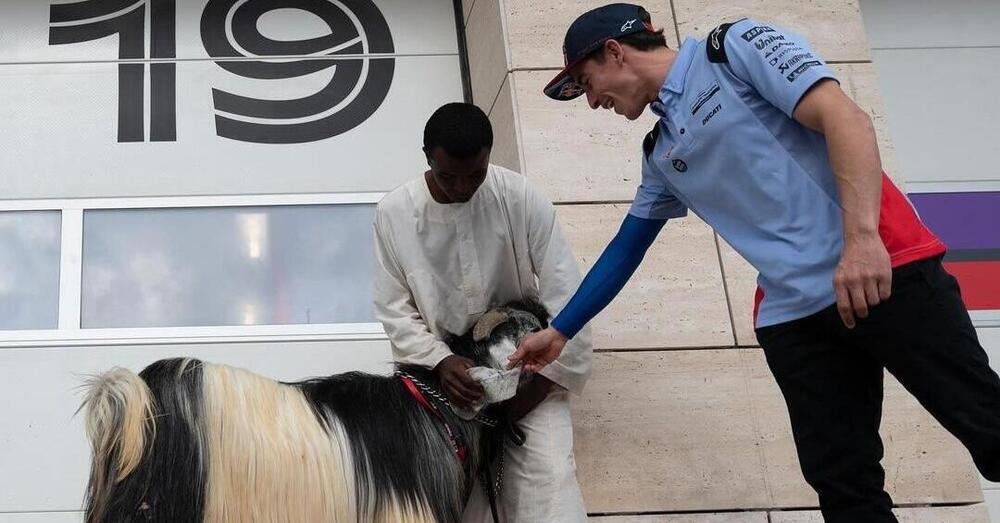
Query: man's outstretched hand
[[538, 350]]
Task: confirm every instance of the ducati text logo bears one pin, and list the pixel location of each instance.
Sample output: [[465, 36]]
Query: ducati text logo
[[358, 50]]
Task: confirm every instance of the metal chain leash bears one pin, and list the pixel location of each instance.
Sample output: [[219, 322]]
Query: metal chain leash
[[499, 481], [438, 395], [485, 420]]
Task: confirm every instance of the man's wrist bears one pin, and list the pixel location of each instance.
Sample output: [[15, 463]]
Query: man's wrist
[[860, 233], [437, 367], [558, 332]]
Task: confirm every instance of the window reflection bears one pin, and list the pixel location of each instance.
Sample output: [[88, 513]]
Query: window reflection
[[30, 245], [227, 266]]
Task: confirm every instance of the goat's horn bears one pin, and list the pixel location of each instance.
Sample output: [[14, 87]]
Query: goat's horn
[[489, 321]]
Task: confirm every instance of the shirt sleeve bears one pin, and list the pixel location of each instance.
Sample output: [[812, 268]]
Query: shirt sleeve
[[412, 342], [558, 276], [609, 275], [778, 64]]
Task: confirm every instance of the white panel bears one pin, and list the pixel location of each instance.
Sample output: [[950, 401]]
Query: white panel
[[726, 517], [416, 27], [942, 111], [931, 23], [990, 340], [992, 499], [942, 514], [44, 455], [42, 517], [60, 129]]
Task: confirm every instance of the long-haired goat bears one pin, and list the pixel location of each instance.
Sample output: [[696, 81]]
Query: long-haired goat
[[189, 441]]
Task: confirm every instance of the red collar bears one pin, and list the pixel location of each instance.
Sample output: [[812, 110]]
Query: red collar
[[414, 391]]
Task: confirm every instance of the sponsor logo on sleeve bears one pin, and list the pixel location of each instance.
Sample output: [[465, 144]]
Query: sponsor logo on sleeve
[[754, 32], [802, 68], [780, 46], [764, 42], [783, 68], [777, 59]]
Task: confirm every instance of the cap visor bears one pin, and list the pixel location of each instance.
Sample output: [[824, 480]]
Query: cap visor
[[563, 87]]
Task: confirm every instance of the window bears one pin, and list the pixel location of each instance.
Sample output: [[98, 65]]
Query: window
[[29, 269], [227, 266]]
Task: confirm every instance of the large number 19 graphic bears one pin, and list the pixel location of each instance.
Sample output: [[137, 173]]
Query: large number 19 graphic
[[360, 82]]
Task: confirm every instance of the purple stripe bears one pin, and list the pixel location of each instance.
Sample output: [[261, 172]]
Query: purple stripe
[[964, 220]]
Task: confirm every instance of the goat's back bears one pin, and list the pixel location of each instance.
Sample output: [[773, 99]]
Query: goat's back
[[192, 441]]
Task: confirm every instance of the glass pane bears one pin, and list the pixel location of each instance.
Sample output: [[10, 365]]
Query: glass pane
[[227, 266], [30, 245]]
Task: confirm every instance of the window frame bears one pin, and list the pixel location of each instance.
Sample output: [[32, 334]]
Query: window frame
[[70, 332]]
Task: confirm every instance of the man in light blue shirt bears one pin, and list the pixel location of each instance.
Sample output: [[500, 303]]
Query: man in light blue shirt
[[755, 136]]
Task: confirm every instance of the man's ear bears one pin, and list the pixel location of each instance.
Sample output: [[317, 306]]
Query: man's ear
[[614, 50], [427, 155]]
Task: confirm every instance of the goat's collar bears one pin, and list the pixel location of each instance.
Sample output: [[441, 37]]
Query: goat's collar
[[454, 436], [427, 390]]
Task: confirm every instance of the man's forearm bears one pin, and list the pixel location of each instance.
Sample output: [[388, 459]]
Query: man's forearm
[[854, 158], [608, 276]]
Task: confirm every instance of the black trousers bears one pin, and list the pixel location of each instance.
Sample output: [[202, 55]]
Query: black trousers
[[831, 378]]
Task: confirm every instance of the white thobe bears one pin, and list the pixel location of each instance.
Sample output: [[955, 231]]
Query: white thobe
[[439, 267]]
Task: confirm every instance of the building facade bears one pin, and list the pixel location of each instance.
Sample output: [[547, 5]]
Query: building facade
[[197, 177]]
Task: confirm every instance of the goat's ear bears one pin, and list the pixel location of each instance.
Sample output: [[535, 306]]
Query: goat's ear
[[487, 322], [537, 309]]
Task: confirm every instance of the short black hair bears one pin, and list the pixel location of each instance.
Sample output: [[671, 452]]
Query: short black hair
[[461, 129], [645, 40]]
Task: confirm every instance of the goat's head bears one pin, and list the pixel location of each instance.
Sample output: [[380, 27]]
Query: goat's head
[[495, 337], [497, 333]]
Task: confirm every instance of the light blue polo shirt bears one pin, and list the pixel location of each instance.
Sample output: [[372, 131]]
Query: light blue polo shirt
[[726, 147]]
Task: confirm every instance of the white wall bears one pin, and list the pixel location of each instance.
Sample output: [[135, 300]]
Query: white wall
[[44, 458], [938, 65], [59, 142], [60, 113]]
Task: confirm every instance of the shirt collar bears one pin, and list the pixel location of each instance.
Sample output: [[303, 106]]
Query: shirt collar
[[674, 82]]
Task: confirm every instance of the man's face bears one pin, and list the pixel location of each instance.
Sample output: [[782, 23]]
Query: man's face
[[458, 178], [612, 83]]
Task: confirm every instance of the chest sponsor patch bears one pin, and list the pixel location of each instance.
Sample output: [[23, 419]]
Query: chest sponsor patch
[[704, 96], [711, 114]]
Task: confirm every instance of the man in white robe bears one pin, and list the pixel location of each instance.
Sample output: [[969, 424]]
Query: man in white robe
[[462, 238]]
